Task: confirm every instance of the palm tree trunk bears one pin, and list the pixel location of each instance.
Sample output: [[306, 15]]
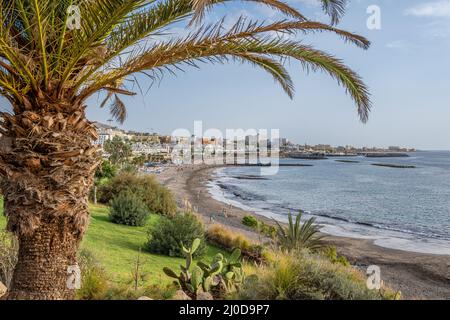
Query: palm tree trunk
[[43, 263], [47, 165]]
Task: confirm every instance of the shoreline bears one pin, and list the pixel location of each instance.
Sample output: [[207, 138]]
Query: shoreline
[[416, 275], [389, 238]]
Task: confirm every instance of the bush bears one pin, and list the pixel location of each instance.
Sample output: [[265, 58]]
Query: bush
[[229, 240], [331, 254], [105, 171], [167, 235], [263, 228], [129, 209], [226, 239], [94, 283], [267, 230], [126, 292], [309, 277], [157, 198], [250, 221]]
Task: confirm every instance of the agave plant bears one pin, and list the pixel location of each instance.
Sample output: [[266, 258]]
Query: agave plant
[[49, 66], [297, 236]]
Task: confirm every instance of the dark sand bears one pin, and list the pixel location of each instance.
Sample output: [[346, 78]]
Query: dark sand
[[416, 275]]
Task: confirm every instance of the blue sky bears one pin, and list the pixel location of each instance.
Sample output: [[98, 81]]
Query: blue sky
[[407, 69]]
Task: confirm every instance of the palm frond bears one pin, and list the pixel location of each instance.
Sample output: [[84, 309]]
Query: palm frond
[[118, 109], [41, 59], [108, 96], [210, 44], [313, 60], [100, 17], [334, 8], [276, 69], [145, 22], [201, 6], [37, 9]]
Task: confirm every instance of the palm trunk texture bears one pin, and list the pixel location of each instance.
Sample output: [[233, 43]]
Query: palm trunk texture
[[47, 164]]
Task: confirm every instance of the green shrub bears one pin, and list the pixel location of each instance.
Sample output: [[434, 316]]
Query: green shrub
[[167, 235], [263, 228], [331, 254], [309, 277], [163, 203], [105, 171], [157, 198], [126, 292], [159, 292], [250, 221], [230, 240], [128, 208], [267, 230], [94, 283]]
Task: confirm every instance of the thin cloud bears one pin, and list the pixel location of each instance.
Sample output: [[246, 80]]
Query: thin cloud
[[438, 9], [397, 44]]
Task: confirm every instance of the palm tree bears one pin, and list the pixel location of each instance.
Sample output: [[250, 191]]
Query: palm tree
[[49, 66], [297, 236]]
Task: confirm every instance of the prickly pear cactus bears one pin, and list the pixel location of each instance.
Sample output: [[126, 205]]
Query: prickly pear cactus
[[219, 277]]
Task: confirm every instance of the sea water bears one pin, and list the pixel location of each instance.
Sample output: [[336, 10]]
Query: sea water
[[406, 209]]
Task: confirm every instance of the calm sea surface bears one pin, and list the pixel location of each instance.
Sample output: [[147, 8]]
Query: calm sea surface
[[407, 209]]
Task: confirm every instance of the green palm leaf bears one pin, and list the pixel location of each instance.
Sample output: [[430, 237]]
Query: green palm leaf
[[298, 236], [41, 57]]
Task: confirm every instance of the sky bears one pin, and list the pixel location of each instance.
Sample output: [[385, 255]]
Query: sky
[[407, 70]]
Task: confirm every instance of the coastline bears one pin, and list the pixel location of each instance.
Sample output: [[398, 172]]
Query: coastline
[[417, 275]]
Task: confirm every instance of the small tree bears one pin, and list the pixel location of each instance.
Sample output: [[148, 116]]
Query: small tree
[[119, 150], [104, 172], [138, 276], [139, 160]]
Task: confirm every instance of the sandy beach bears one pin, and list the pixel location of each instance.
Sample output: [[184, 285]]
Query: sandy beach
[[416, 275]]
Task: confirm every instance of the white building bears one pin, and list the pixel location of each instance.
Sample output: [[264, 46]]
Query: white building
[[106, 132]]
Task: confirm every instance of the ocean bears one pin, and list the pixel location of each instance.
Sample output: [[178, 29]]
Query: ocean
[[405, 209]]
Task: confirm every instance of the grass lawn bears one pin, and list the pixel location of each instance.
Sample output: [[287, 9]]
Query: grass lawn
[[116, 247]]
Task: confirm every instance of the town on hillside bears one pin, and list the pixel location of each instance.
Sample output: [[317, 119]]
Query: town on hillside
[[154, 148]]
